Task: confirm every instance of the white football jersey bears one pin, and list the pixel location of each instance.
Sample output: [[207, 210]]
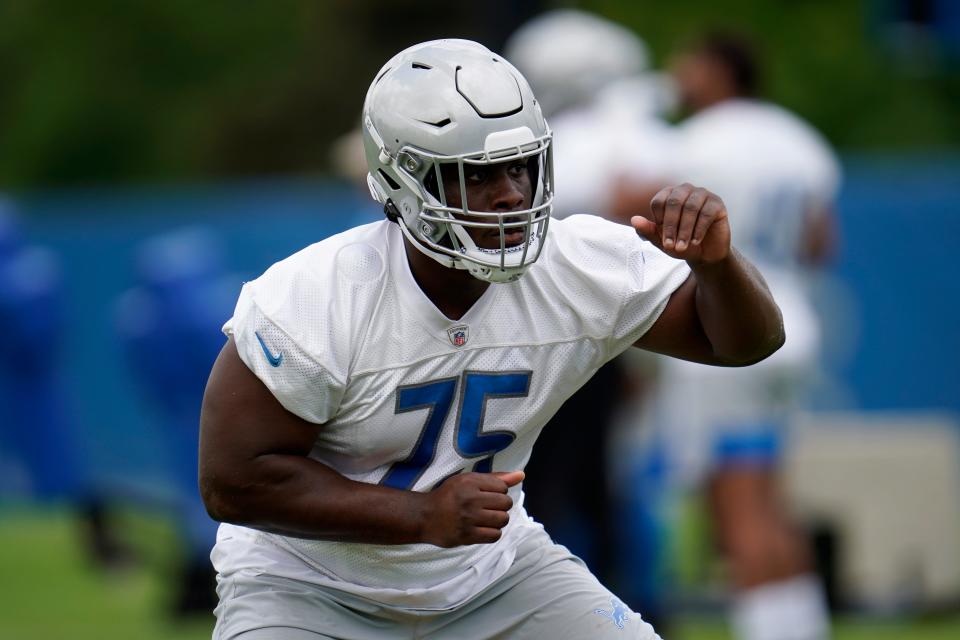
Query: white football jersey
[[773, 172], [619, 135], [344, 337], [771, 169]]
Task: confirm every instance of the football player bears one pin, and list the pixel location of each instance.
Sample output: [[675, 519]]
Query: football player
[[724, 430], [38, 433], [182, 284], [365, 428]]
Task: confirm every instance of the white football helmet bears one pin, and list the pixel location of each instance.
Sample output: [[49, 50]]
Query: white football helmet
[[455, 101]]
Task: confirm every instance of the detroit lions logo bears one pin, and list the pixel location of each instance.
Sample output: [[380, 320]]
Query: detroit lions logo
[[618, 615]]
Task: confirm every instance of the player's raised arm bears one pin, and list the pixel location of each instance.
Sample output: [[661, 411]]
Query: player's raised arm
[[724, 313], [254, 471]]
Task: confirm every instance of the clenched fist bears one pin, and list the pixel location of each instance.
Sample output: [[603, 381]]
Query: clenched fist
[[469, 508], [687, 222]]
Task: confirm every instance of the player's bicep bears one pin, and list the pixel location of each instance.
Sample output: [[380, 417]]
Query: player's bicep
[[678, 332], [241, 420]]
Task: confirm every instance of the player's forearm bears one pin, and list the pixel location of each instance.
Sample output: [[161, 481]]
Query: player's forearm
[[739, 315], [297, 496]]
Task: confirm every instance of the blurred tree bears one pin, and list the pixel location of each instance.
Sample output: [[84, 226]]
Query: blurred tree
[[121, 91], [113, 90], [828, 60]]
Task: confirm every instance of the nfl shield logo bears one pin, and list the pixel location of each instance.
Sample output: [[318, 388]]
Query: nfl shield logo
[[458, 335]]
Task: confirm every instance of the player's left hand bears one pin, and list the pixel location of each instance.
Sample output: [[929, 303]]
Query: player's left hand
[[688, 223]]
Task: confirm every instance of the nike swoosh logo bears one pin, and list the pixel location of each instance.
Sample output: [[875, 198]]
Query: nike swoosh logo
[[274, 360]]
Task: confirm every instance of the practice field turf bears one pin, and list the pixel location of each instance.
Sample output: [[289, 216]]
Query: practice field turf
[[49, 589]]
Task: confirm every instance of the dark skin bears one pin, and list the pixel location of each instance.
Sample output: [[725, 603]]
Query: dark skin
[[502, 188], [261, 477]]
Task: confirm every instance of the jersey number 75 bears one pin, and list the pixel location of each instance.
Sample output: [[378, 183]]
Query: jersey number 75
[[469, 439]]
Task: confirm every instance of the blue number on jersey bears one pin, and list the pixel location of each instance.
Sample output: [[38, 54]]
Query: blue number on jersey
[[436, 396], [470, 440]]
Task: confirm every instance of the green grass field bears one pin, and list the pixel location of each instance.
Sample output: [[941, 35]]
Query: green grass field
[[52, 590], [49, 589]]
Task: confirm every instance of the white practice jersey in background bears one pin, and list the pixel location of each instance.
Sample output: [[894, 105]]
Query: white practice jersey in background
[[343, 337], [619, 135], [773, 172]]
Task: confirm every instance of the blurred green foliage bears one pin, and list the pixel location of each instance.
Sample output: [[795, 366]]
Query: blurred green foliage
[[842, 64], [133, 91], [111, 90]]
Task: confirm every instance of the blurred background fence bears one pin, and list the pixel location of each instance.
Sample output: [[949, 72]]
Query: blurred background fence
[[891, 303], [97, 234]]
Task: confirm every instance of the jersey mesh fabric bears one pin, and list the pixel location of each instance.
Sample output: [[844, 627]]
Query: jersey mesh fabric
[[351, 303], [301, 384]]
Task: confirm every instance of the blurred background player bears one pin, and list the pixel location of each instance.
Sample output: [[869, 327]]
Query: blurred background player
[[604, 105], [41, 453], [168, 328], [779, 179]]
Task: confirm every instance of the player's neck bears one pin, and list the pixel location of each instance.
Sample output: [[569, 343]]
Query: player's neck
[[452, 291]]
